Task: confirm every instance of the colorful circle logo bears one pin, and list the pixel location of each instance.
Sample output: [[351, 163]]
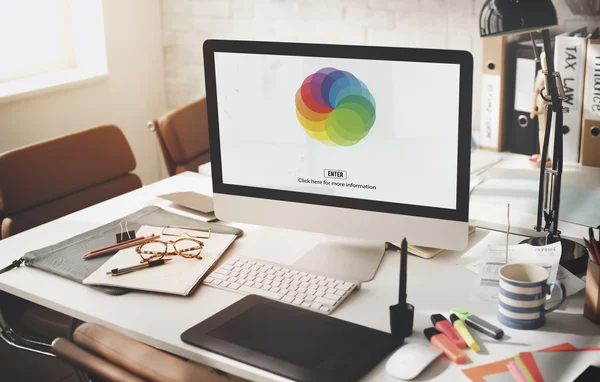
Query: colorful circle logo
[[335, 107]]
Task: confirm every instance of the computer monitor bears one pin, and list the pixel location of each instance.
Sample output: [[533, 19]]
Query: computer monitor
[[361, 142]]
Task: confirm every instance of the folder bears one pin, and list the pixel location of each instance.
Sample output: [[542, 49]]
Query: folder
[[569, 61], [590, 133], [493, 83], [523, 131]]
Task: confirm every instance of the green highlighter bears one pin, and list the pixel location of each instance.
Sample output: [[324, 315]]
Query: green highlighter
[[478, 323]]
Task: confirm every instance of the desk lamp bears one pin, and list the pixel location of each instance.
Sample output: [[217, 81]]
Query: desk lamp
[[503, 17]]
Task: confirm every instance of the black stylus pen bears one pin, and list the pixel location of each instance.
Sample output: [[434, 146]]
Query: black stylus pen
[[149, 264]]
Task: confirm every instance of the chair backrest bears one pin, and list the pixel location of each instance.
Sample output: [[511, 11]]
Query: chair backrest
[[130, 356], [50, 179], [183, 137]]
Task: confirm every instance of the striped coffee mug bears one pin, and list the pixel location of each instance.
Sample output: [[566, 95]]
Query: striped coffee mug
[[522, 296]]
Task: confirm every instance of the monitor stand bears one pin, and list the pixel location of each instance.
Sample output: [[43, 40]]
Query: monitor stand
[[345, 259]]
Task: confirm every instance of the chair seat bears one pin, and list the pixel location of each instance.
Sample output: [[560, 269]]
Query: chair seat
[[45, 322]]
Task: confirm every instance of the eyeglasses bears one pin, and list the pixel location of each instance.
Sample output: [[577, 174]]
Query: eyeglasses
[[157, 249]]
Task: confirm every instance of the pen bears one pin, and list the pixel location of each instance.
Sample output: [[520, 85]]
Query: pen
[[123, 271], [478, 323], [119, 246], [464, 332]]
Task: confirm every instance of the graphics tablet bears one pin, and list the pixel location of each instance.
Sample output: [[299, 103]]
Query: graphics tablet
[[291, 341]]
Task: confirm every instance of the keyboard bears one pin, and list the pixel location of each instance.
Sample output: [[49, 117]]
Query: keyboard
[[314, 292]]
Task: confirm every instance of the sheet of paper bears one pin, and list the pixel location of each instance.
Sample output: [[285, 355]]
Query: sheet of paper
[[488, 278], [179, 276]]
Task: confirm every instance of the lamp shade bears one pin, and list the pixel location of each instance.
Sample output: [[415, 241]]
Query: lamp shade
[[502, 17]]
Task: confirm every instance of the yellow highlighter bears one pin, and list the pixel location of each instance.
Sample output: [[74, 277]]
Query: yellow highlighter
[[464, 332]]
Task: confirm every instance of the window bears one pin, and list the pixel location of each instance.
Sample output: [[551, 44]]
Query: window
[[49, 43]]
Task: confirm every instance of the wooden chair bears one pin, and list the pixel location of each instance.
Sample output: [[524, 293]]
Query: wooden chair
[[111, 356], [183, 137], [42, 182]]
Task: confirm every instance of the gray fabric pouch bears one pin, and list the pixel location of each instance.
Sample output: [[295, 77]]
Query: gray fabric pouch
[[65, 259]]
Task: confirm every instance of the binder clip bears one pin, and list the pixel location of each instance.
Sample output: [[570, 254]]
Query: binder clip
[[125, 233]]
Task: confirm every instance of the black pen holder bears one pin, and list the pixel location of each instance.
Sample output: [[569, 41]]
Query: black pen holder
[[401, 320]]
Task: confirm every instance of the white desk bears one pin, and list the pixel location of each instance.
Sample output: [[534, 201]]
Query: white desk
[[434, 286]]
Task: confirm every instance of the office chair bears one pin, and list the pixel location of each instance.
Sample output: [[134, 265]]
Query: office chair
[[103, 353], [183, 137], [42, 182]]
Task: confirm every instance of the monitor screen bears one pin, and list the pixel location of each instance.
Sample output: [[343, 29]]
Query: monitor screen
[[379, 131]]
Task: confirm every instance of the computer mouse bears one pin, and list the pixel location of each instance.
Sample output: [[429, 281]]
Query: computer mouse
[[410, 360]]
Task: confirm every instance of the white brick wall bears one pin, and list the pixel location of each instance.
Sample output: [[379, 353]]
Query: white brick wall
[[451, 24]]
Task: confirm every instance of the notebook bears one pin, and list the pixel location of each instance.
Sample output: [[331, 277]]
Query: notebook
[[179, 276]]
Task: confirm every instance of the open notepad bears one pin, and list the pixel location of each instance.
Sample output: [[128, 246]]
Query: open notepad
[[179, 276]]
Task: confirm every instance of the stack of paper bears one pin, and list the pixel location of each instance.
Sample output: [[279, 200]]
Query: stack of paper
[[562, 362], [179, 276]]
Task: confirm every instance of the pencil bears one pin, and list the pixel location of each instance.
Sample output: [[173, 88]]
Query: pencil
[[117, 245], [124, 245]]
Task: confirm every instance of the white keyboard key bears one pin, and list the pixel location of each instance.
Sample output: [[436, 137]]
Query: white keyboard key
[[232, 279], [270, 277], [325, 301], [330, 291], [306, 304], [309, 298], [265, 287], [340, 292], [258, 285], [298, 301], [331, 296], [315, 305], [279, 278], [287, 299], [216, 282], [302, 290], [276, 284], [234, 286], [249, 283], [275, 289], [261, 292], [279, 273], [225, 283], [301, 295], [262, 274], [324, 309], [227, 266], [267, 282], [342, 287], [292, 293], [223, 271], [208, 279], [219, 276]]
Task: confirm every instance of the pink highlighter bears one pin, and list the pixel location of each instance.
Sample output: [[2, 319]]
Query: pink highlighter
[[443, 325]]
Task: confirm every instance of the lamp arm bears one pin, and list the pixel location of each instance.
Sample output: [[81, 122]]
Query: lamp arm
[[557, 165]]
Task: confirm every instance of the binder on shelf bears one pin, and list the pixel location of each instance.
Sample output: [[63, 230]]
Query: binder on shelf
[[493, 84], [523, 130], [569, 61], [590, 132]]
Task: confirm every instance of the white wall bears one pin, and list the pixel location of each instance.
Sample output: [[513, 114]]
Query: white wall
[[449, 24], [133, 93]]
